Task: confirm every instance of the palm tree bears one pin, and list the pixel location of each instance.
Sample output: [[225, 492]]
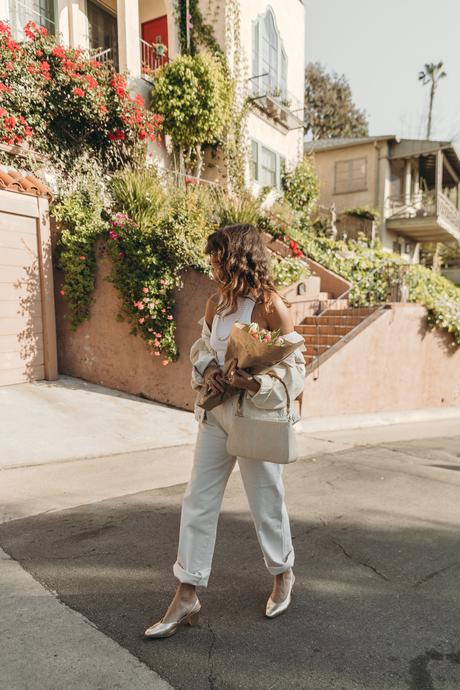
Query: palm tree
[[431, 74]]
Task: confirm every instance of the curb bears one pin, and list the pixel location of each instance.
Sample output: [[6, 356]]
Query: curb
[[362, 421]]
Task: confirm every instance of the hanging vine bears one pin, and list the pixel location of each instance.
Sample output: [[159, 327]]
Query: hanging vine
[[236, 143], [195, 28]]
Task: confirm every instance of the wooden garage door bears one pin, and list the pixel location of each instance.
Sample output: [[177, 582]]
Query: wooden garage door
[[21, 323]]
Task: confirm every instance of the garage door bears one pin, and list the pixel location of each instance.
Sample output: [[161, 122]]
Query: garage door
[[21, 322]]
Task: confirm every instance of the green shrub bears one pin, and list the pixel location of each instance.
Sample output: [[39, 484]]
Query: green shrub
[[79, 218], [193, 95], [363, 212], [301, 188], [287, 271]]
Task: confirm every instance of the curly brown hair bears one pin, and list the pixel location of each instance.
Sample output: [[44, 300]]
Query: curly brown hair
[[244, 266]]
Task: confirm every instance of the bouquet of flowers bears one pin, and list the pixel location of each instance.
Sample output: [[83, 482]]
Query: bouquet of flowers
[[254, 349]]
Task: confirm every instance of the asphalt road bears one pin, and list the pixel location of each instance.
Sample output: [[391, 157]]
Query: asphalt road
[[376, 604]]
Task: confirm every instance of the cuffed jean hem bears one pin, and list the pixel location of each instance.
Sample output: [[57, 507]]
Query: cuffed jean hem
[[197, 579], [279, 569]]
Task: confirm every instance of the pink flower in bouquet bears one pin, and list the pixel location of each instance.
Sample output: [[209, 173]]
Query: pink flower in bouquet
[[141, 320], [145, 289]]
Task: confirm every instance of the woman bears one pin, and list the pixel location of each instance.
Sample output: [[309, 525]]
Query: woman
[[241, 267]]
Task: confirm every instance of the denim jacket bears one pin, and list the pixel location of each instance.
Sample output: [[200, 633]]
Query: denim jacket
[[270, 399]]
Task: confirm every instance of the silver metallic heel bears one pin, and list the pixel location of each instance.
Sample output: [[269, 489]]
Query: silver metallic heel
[[161, 629], [193, 619]]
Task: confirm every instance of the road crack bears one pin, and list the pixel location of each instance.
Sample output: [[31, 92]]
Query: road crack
[[211, 677], [433, 574], [363, 563]]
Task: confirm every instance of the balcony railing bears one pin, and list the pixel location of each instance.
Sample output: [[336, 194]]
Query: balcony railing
[[422, 205], [102, 55], [153, 56], [277, 102]]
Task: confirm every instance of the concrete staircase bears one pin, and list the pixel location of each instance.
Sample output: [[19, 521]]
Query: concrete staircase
[[323, 335]]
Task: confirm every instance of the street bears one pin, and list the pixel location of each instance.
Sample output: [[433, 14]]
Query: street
[[376, 604]]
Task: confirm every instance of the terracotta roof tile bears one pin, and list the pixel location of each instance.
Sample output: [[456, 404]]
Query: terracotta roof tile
[[25, 183]]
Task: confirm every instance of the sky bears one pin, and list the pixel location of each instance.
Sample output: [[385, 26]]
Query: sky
[[381, 46]]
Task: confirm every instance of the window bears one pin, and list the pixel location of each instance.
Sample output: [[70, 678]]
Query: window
[[266, 165], [254, 162], [350, 175], [39, 11], [102, 31], [269, 59]]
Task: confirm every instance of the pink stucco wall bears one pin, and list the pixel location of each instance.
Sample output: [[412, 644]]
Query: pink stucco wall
[[396, 363], [103, 351]]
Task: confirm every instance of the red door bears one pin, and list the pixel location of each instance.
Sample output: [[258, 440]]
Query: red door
[[156, 30]]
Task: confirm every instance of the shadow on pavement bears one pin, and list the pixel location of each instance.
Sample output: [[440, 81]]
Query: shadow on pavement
[[376, 603]]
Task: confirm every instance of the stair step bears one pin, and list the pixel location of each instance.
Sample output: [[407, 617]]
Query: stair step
[[321, 339], [316, 350], [364, 311], [337, 320], [322, 329]]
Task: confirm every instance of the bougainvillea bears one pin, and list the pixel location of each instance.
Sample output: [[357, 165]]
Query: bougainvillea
[[64, 102]]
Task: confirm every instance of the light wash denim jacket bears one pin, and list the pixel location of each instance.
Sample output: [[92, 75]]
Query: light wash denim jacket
[[271, 396]]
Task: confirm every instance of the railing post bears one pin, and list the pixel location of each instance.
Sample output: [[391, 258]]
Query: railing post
[[438, 184]]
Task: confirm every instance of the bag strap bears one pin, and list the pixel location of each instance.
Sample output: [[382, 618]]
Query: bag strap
[[275, 376]]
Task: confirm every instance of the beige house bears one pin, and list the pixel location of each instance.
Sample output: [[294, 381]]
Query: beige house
[[265, 45], [414, 184]]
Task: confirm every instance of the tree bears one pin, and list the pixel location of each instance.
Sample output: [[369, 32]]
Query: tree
[[193, 95], [329, 107], [431, 74]]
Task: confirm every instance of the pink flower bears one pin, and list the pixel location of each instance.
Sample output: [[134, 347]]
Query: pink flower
[[163, 311], [157, 335], [169, 317], [141, 320], [162, 282], [165, 362], [145, 289], [156, 343], [157, 354]]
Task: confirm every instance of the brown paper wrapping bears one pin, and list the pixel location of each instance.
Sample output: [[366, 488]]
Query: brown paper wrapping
[[245, 352]]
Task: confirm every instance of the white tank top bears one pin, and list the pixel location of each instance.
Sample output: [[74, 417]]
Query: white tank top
[[222, 325]]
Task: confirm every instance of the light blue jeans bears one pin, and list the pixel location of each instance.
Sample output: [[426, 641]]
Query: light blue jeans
[[263, 484]]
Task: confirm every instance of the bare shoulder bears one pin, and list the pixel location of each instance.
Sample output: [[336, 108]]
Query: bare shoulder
[[278, 315], [210, 310]]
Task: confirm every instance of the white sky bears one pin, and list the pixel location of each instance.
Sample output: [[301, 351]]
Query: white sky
[[380, 46]]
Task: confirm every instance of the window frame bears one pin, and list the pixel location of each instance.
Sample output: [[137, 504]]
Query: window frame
[[258, 35], [362, 187], [280, 163]]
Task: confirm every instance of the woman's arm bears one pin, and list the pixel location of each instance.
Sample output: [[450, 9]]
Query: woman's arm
[[202, 356], [270, 393]]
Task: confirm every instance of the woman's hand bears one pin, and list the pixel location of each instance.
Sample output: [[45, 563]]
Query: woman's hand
[[241, 379], [214, 378]]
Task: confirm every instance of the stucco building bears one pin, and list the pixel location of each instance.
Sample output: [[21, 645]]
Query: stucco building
[[265, 40], [414, 184]]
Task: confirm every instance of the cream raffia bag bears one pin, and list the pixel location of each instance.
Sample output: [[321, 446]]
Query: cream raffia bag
[[271, 440]]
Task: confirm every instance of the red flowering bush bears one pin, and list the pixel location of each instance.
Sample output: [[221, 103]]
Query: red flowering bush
[[66, 102]]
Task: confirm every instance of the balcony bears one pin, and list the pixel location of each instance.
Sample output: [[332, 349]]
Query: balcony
[[153, 56], [278, 103], [424, 217]]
